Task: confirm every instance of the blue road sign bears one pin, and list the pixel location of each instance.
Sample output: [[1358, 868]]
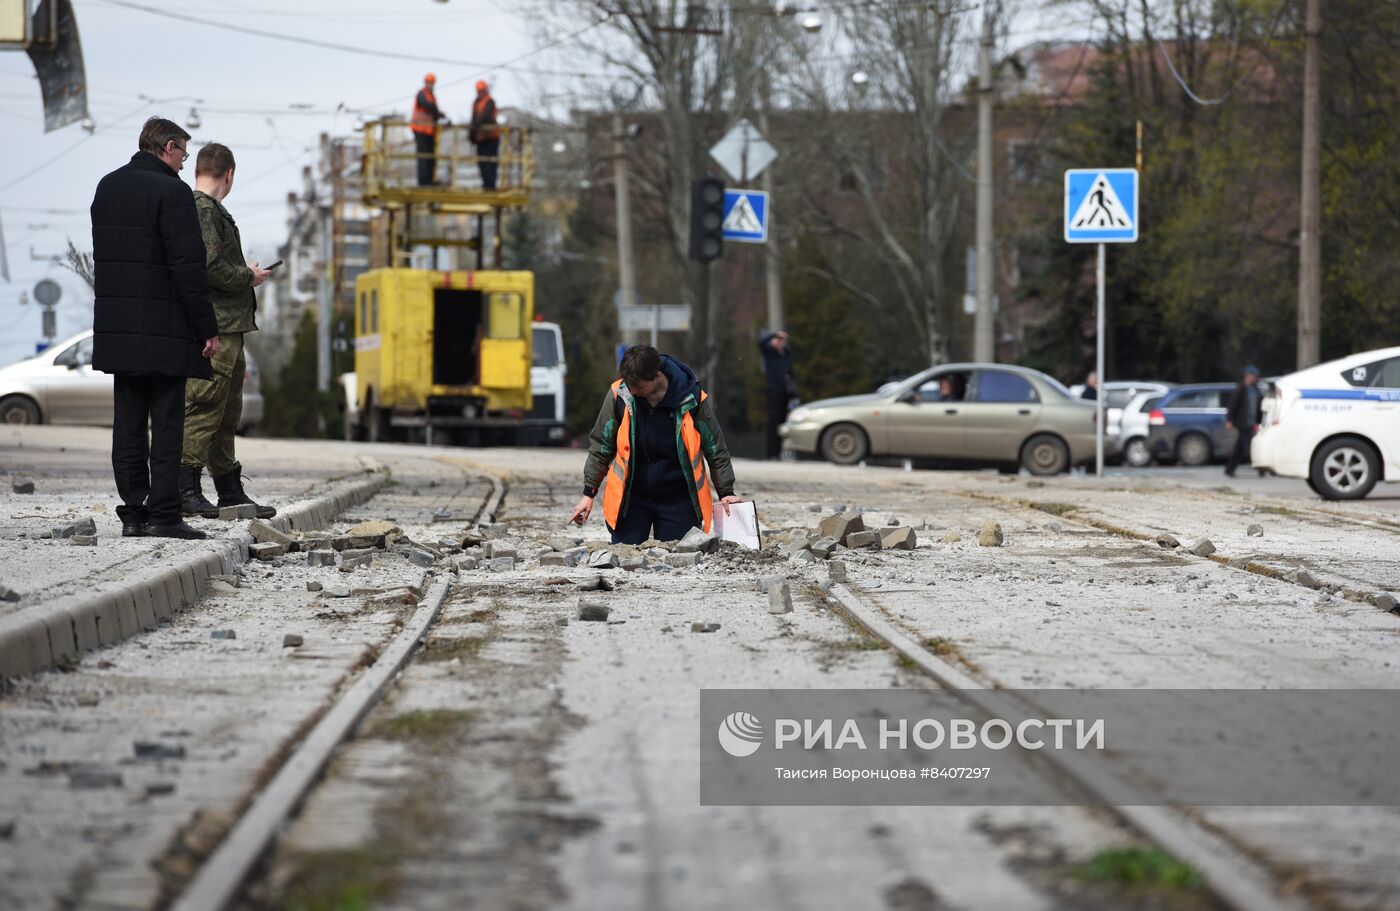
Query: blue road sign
[[746, 216], [1101, 206]]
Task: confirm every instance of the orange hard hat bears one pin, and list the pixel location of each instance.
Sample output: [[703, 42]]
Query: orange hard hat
[[481, 85], [430, 78]]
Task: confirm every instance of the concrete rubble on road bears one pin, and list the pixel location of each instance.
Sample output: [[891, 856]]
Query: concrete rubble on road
[[704, 627], [1255, 531], [267, 550], [681, 561], [22, 485], [1203, 548], [779, 599], [836, 571], [1167, 541], [264, 533], [223, 634], [592, 611], [990, 535], [293, 640], [603, 559], [901, 538], [320, 558], [697, 541], [84, 540], [378, 533], [234, 513], [8, 594], [867, 539], [841, 526]]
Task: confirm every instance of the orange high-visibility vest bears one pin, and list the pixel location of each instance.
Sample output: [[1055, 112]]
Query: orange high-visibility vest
[[615, 490], [486, 130], [423, 121]]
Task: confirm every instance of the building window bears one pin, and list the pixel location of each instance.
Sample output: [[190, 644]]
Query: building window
[[374, 310]]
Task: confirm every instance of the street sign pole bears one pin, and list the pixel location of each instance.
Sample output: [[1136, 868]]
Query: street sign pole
[[1098, 365]]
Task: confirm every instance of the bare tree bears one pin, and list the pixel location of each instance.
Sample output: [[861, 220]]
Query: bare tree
[[80, 264]]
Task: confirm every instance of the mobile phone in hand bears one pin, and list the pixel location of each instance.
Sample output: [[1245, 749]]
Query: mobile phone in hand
[[273, 266]]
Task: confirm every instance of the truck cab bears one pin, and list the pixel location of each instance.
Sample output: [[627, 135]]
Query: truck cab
[[547, 421]]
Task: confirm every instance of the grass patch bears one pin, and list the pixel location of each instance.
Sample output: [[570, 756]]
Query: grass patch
[[943, 648], [1150, 868], [1278, 511], [350, 880], [441, 649], [866, 644], [423, 725], [1056, 509]]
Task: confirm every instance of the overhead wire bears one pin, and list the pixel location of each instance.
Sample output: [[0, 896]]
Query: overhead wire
[[1209, 102]]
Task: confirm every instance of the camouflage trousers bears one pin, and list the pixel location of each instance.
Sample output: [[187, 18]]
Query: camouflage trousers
[[213, 409]]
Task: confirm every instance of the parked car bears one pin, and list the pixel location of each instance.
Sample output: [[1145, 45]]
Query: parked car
[[1134, 429], [994, 414], [1188, 424], [1336, 424], [59, 386]]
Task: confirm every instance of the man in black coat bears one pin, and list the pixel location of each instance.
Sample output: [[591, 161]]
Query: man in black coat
[[1244, 414], [779, 386], [153, 324]]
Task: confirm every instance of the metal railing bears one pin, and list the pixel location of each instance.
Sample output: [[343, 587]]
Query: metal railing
[[391, 165]]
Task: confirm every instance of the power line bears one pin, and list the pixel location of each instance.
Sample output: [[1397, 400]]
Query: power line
[[30, 173], [1278, 17]]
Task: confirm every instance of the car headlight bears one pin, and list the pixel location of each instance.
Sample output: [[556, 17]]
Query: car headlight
[[800, 415]]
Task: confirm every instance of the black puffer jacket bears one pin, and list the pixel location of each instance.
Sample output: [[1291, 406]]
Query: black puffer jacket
[[152, 310]]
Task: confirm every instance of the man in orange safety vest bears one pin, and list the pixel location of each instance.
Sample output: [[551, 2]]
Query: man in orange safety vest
[[424, 127], [486, 134]]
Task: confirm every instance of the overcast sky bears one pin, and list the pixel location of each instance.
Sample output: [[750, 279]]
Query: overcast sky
[[267, 99]]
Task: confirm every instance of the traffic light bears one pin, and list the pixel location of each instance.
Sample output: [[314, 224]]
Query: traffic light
[[706, 219]]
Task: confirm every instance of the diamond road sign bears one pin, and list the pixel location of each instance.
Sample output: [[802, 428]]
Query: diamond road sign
[[1101, 206], [743, 151], [746, 216]]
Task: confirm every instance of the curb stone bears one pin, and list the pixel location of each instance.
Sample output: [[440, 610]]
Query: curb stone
[[37, 637]]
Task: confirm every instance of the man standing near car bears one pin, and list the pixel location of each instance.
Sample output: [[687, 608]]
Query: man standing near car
[[1243, 414], [214, 406], [779, 386], [153, 324]]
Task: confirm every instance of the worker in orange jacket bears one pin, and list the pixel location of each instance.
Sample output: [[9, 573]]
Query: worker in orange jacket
[[424, 126], [486, 135]]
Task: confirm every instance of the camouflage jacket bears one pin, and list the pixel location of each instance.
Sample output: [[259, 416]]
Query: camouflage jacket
[[230, 279]]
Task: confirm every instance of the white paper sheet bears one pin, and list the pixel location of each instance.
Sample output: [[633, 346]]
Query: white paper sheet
[[740, 526]]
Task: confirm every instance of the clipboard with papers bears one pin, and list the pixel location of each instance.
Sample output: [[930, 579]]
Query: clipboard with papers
[[740, 526]]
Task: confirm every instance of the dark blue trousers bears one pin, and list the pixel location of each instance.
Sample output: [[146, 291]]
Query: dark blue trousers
[[671, 518]]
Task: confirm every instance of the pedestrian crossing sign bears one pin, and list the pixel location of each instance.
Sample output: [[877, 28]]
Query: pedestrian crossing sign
[[1101, 206], [745, 216]]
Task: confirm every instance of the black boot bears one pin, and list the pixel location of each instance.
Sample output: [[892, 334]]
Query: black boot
[[192, 499], [230, 488], [178, 530]]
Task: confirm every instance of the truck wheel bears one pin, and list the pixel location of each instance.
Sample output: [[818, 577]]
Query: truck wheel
[[1344, 469]]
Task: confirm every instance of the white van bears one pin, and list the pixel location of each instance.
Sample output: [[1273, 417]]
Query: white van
[[1336, 424]]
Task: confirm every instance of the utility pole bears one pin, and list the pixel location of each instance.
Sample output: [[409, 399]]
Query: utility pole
[[1310, 227], [983, 337], [773, 262], [325, 291], [626, 270]]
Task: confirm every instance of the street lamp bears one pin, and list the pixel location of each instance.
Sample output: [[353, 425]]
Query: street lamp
[[559, 147], [812, 24], [859, 79], [192, 121]]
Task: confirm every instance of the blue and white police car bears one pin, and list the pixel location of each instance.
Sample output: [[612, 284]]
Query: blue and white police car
[[1336, 424]]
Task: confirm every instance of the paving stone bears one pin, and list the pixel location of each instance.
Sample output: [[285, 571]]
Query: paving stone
[[657, 553], [64, 531], [592, 610], [1203, 548], [1167, 541], [824, 585], [336, 591], [901, 538], [836, 571], [634, 563], [496, 549], [501, 564], [373, 533], [824, 547], [354, 559], [1387, 601], [155, 749], [420, 557], [951, 537], [159, 788], [399, 595], [313, 586], [1305, 579], [859, 539], [241, 511], [841, 525], [84, 540], [266, 551], [8, 594], [1255, 531], [603, 559], [223, 634], [698, 540], [292, 640], [22, 485], [770, 580], [681, 561], [596, 584], [265, 533], [466, 564], [990, 535], [803, 556], [704, 627], [320, 558], [556, 558], [780, 599]]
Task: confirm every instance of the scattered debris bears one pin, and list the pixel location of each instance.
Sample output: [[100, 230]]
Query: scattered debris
[[704, 627], [320, 558], [400, 595], [824, 547], [22, 485], [1387, 601], [697, 541], [292, 640], [269, 550], [767, 582], [159, 788], [154, 749], [466, 563], [1255, 531], [779, 599], [421, 557], [840, 526], [8, 594], [558, 558], [603, 559], [241, 511], [223, 634], [85, 540], [1203, 548], [373, 533], [501, 564], [495, 549], [313, 586], [901, 538], [836, 571], [596, 584], [682, 561], [1034, 484], [1239, 563], [1305, 579], [336, 591], [634, 563], [801, 556], [1167, 541], [990, 535], [91, 778], [858, 539], [951, 537], [353, 559], [592, 610], [265, 533]]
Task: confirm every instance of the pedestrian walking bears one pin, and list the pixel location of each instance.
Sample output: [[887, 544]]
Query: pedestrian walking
[[1244, 414], [655, 434], [214, 406], [486, 135], [153, 324], [1091, 386], [779, 386], [425, 129]]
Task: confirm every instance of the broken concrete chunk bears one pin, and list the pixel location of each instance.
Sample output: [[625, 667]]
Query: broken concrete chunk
[[836, 571], [241, 511], [223, 634], [353, 559], [1305, 579], [400, 595], [154, 749], [1203, 548], [1387, 601], [704, 627], [64, 531], [320, 558], [803, 556], [592, 610], [93, 778], [501, 564], [990, 535], [859, 539], [596, 584], [697, 540], [780, 599], [1167, 541], [420, 557], [768, 581], [292, 640], [336, 591], [556, 558], [160, 788], [496, 549], [85, 540], [634, 563], [901, 538], [8, 594], [603, 559], [952, 537], [373, 533], [22, 485], [313, 586], [1255, 531], [267, 550], [466, 564], [840, 525], [265, 533], [657, 553], [824, 547], [682, 561]]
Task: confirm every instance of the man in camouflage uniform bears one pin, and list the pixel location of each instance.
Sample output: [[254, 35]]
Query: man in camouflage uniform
[[213, 407]]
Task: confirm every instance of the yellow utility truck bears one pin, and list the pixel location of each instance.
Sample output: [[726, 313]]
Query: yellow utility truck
[[445, 354]]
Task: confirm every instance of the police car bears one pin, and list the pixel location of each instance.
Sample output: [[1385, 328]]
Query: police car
[[1336, 424]]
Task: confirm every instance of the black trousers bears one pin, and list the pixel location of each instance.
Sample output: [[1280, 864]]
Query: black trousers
[[489, 148], [671, 517], [1241, 451], [148, 470], [777, 401], [427, 162]]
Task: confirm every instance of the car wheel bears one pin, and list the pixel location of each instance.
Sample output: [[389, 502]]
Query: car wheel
[[845, 444], [1137, 454], [1345, 469], [1044, 454], [1193, 449], [17, 409]]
